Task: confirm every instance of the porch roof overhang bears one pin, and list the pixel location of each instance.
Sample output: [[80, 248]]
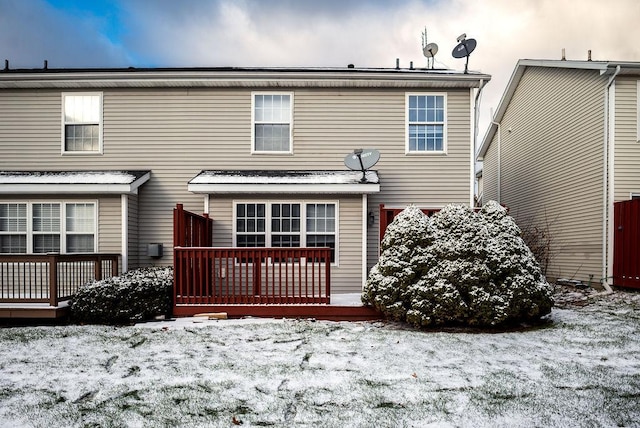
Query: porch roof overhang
[[72, 182], [278, 181]]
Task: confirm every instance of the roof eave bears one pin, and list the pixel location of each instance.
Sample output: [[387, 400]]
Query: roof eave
[[241, 78]]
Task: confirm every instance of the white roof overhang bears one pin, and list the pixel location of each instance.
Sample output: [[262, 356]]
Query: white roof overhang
[[309, 182], [240, 78], [72, 182]]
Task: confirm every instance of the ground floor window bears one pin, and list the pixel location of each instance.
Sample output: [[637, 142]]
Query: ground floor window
[[286, 224], [47, 227]]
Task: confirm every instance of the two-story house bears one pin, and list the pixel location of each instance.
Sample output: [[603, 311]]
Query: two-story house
[[563, 153], [95, 160]]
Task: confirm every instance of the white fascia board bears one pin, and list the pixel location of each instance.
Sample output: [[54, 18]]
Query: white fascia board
[[358, 189]]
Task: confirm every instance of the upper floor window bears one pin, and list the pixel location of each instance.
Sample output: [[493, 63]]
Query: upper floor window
[[272, 122], [82, 123], [47, 227], [426, 123]]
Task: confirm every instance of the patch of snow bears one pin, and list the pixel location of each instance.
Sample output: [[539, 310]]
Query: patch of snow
[[283, 177], [582, 368], [67, 177]]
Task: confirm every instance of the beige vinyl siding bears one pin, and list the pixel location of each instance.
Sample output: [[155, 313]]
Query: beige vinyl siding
[[627, 147], [346, 275], [110, 224], [552, 164], [176, 133], [132, 232]]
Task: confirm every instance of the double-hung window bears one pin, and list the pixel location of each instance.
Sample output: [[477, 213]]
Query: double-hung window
[[81, 123], [13, 228], [47, 227], [426, 123], [286, 225], [272, 122]]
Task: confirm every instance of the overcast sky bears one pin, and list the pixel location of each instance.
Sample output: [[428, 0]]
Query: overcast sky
[[182, 33]]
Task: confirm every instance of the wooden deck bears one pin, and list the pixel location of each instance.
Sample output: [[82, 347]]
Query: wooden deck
[[343, 308]]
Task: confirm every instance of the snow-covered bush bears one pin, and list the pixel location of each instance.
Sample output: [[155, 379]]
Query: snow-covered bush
[[134, 296], [457, 267]]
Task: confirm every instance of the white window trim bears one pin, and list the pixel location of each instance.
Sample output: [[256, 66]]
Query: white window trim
[[253, 124], [100, 150], [444, 125], [303, 221], [63, 221]]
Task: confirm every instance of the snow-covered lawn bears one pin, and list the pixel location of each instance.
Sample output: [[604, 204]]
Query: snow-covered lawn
[[580, 369]]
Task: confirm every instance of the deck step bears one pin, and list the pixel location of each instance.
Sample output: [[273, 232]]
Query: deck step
[[319, 312]]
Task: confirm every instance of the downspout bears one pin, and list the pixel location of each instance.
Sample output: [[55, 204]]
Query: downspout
[[476, 117], [365, 228], [499, 161], [607, 184]]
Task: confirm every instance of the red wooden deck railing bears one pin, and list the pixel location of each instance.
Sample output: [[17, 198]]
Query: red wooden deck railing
[[190, 229], [217, 276], [42, 278]]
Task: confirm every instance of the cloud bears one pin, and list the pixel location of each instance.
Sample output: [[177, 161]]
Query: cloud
[[32, 31], [322, 33]]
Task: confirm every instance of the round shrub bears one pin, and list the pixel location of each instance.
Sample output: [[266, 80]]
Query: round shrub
[[137, 295], [458, 267]]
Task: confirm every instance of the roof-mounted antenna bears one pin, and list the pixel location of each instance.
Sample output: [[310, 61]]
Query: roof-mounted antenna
[[428, 49], [463, 49]]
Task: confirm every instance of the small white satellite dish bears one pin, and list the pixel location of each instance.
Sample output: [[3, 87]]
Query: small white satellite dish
[[362, 160], [430, 50]]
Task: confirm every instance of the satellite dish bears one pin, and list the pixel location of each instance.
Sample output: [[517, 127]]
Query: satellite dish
[[464, 49], [430, 50], [362, 160]]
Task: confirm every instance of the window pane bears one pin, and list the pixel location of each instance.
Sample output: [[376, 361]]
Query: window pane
[[13, 244], [82, 108], [80, 244], [250, 225], [426, 137], [272, 138], [285, 241], [80, 218], [81, 138], [46, 217], [46, 243], [250, 241], [13, 217]]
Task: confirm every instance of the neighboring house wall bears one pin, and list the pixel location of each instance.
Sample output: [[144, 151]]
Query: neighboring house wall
[[552, 164], [627, 146], [490, 172]]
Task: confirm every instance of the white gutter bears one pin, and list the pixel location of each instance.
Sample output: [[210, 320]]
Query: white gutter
[[365, 227], [607, 181], [476, 117]]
